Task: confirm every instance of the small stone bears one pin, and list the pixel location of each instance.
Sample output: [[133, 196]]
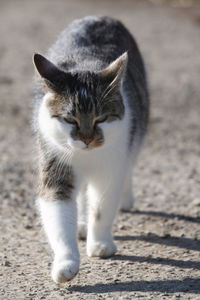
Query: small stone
[[7, 263], [147, 204], [196, 202], [28, 227], [122, 227]]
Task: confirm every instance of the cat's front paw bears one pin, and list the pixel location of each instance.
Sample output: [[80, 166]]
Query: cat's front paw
[[65, 270], [101, 248]]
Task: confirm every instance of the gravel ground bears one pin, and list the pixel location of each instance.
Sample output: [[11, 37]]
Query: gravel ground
[[159, 241]]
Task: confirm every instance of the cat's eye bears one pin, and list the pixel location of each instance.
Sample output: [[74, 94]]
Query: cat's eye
[[72, 121], [105, 118], [101, 119]]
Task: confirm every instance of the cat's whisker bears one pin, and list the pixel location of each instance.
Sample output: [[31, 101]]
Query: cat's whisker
[[63, 162], [107, 93], [59, 164]]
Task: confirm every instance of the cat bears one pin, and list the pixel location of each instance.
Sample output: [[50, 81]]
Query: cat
[[90, 118]]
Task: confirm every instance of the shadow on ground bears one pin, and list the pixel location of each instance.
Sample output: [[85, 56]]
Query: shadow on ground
[[180, 242], [160, 261], [166, 215], [188, 285]]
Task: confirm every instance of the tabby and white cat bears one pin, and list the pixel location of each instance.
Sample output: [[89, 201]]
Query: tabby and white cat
[[91, 114]]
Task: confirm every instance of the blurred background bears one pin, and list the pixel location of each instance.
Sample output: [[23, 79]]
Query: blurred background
[[162, 233]]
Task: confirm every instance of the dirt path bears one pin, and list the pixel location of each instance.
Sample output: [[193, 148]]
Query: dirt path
[[159, 242]]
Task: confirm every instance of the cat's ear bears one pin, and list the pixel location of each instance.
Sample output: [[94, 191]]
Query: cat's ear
[[115, 70], [52, 75]]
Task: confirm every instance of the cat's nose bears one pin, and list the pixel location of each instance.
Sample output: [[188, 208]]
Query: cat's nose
[[87, 141]]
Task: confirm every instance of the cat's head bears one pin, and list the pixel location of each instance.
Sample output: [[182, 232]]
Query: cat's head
[[82, 110]]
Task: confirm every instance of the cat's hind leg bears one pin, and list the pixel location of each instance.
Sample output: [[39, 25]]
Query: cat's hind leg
[[82, 205], [127, 200]]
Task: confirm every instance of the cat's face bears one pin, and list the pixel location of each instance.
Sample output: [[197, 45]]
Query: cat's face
[[81, 110]]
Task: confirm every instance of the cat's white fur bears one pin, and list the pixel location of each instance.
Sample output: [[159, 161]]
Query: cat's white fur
[[104, 173]]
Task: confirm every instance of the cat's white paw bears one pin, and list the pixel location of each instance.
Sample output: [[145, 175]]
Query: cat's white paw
[[127, 203], [65, 270], [82, 231], [101, 248]]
